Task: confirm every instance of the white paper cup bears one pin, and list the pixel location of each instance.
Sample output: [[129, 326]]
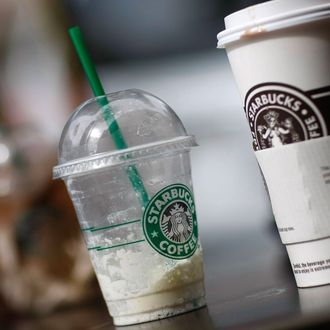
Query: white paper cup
[[279, 52]]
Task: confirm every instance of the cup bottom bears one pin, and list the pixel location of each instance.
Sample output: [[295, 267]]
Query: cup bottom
[[158, 305], [310, 262]]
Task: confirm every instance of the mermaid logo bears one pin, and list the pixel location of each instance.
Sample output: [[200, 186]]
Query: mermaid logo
[[170, 224], [280, 114], [176, 223]]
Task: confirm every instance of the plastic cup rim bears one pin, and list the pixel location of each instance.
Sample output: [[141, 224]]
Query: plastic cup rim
[[122, 157]]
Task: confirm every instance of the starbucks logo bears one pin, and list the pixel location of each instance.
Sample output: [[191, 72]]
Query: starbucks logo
[[170, 224], [280, 114]]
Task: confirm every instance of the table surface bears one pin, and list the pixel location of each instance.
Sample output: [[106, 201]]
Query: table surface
[[249, 285]]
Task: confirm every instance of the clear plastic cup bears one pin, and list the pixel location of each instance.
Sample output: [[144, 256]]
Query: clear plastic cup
[[147, 258]]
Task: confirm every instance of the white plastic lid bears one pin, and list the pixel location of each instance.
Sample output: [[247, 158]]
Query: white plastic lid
[[270, 16], [148, 125], [310, 262]]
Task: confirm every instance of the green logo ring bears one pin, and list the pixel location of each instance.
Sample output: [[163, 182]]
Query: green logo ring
[[170, 224]]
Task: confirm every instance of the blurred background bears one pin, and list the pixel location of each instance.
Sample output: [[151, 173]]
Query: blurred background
[[167, 48]]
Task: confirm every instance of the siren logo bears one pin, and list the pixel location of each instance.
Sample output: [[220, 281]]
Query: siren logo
[[176, 222], [280, 114], [170, 224]]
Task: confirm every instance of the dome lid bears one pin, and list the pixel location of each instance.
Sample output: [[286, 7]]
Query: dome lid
[[91, 139]]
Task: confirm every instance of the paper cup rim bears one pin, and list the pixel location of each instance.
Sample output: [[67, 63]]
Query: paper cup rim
[[270, 23]]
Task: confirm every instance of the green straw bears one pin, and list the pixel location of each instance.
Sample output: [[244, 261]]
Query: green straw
[[108, 116]]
